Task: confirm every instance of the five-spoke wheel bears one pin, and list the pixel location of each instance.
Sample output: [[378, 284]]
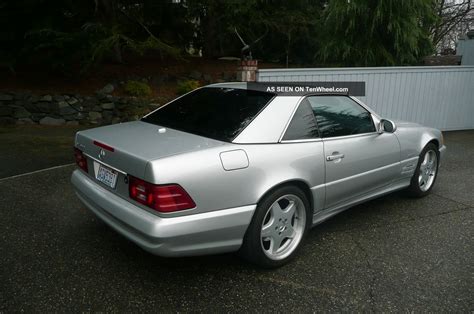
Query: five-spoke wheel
[[426, 171], [283, 227], [277, 228]]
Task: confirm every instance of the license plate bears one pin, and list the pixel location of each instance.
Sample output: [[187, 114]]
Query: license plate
[[105, 175]]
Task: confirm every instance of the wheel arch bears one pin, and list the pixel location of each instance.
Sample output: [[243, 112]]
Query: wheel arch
[[301, 184], [428, 136], [434, 141]]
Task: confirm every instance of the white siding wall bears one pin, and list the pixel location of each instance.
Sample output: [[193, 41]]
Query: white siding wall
[[440, 97], [465, 48]]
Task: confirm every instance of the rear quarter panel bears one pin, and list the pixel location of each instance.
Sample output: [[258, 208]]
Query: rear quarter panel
[[203, 176]]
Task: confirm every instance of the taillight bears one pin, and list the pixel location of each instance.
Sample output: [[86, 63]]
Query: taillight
[[81, 160], [104, 146], [162, 198]]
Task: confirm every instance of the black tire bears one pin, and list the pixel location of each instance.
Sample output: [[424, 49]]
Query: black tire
[[414, 190], [252, 249]]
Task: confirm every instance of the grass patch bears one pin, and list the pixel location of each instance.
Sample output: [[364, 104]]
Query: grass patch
[[136, 88]]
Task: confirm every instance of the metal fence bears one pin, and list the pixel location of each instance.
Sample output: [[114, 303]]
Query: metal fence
[[440, 97]]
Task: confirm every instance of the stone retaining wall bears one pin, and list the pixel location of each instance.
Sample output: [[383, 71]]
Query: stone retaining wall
[[102, 108]]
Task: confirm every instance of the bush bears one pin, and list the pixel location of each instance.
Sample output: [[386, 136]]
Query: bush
[[187, 86], [136, 88]]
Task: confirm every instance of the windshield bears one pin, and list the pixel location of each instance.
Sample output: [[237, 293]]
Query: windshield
[[218, 113]]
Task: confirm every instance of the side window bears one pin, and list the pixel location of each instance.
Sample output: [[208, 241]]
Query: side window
[[340, 115], [302, 125]]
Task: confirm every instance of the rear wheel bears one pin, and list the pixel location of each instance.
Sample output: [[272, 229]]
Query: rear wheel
[[277, 228], [426, 172]]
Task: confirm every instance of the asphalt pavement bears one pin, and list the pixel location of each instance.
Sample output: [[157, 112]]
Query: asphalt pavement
[[27, 148], [391, 254]]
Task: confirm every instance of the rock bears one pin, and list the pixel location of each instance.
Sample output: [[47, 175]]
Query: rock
[[72, 101], [20, 103], [66, 97], [122, 100], [72, 123], [37, 116], [6, 97], [90, 102], [31, 107], [76, 116], [108, 106], [7, 121], [58, 98], [107, 115], [24, 121], [94, 115], [34, 98], [101, 96], [107, 89], [44, 107], [21, 112], [115, 120], [196, 75], [97, 108], [48, 98], [219, 81], [66, 110], [5, 111], [22, 95], [52, 121], [69, 117], [121, 106]]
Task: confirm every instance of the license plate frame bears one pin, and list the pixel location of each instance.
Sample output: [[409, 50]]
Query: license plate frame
[[105, 175]]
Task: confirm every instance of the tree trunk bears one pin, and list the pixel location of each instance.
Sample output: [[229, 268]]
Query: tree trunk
[[210, 32], [118, 53], [106, 12]]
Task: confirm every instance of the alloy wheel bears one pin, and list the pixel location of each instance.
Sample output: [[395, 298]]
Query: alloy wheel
[[428, 169], [283, 227]]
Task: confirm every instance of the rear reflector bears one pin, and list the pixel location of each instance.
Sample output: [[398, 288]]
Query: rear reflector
[[104, 146], [162, 198], [81, 160]]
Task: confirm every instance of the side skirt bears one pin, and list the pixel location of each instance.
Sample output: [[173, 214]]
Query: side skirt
[[325, 214]]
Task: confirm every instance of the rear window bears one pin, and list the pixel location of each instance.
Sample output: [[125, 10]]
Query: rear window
[[218, 113]]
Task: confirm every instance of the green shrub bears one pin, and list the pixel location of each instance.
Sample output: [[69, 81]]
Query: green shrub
[[136, 88], [187, 86]]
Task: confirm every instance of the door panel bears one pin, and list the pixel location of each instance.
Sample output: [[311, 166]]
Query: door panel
[[359, 164]]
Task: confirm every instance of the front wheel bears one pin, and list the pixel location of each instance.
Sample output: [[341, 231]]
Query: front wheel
[[277, 228], [425, 174]]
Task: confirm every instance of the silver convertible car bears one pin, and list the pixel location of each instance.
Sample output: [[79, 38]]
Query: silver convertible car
[[227, 168]]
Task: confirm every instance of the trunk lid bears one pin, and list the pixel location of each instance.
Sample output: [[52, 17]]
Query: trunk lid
[[136, 143]]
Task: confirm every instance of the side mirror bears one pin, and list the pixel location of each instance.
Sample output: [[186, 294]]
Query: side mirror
[[386, 125]]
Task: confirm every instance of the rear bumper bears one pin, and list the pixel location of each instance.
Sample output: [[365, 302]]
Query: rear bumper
[[197, 234]]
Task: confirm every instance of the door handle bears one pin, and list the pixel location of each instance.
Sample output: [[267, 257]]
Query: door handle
[[334, 156]]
